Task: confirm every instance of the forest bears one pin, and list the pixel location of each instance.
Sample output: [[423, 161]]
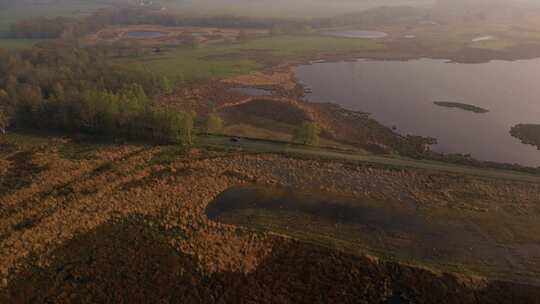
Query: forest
[[58, 86]]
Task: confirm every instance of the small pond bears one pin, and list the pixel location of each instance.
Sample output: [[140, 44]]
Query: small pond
[[355, 34], [252, 91], [484, 38]]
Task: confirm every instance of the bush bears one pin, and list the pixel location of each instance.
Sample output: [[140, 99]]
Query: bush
[[308, 133]]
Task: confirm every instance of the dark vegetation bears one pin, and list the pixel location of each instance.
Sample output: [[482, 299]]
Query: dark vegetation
[[377, 227], [308, 133], [280, 112], [136, 15], [139, 265], [58, 86], [463, 106], [21, 174], [468, 160], [528, 134], [456, 158], [418, 147]]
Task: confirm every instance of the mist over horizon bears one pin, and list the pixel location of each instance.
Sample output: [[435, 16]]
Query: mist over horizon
[[279, 8]]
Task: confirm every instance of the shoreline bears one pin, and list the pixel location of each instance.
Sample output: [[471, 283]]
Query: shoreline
[[300, 90]]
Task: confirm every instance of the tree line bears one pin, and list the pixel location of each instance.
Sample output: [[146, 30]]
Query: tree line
[[58, 86], [137, 15], [126, 15]]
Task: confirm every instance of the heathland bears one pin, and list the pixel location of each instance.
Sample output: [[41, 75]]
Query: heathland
[[120, 125]]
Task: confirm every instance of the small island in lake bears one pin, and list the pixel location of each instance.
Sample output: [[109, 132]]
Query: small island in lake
[[528, 134], [463, 106]]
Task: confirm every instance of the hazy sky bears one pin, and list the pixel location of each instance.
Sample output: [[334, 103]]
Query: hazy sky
[[325, 8]]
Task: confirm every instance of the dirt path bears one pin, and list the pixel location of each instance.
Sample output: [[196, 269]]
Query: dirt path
[[281, 147]]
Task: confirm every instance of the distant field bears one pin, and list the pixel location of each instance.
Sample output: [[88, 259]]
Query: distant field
[[284, 8], [220, 60], [17, 44], [307, 45], [191, 64], [239, 58]]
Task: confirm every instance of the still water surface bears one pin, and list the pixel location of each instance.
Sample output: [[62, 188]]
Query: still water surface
[[252, 91], [484, 38], [401, 94]]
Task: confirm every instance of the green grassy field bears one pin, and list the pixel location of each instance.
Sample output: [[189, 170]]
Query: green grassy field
[[291, 46], [240, 58], [191, 64]]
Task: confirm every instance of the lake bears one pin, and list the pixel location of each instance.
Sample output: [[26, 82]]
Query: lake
[[144, 34], [401, 94]]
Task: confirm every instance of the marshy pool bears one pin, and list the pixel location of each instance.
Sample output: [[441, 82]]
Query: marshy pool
[[401, 94], [356, 34], [450, 239], [252, 91], [144, 34]]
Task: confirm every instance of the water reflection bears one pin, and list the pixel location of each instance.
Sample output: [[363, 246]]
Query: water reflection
[[510, 90]]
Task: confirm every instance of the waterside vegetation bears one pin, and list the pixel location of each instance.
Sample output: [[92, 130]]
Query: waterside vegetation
[[462, 106]]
